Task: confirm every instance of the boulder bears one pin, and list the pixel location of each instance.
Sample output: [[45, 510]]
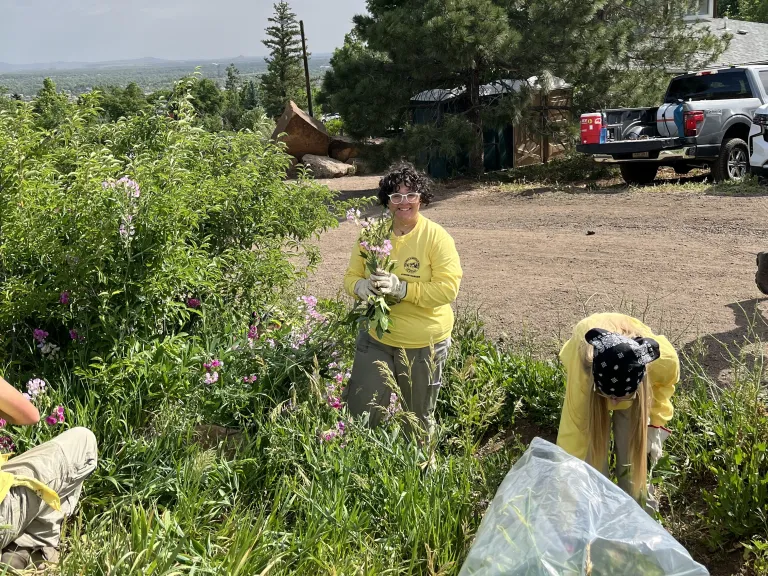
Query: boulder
[[342, 148], [325, 167], [303, 134]]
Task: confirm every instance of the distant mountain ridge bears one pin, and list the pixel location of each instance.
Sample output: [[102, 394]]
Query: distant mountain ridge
[[146, 62]]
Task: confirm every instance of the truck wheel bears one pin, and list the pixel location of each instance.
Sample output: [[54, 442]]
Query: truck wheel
[[733, 161], [638, 172]]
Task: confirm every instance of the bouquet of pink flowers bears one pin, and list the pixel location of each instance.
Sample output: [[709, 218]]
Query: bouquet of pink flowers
[[375, 249]]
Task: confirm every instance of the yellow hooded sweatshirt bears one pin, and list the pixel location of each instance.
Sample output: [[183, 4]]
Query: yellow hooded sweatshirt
[[663, 374]]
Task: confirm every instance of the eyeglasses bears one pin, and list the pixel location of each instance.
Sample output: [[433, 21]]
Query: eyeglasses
[[411, 197]]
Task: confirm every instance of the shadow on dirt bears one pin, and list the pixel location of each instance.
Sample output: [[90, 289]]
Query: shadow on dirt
[[743, 345]]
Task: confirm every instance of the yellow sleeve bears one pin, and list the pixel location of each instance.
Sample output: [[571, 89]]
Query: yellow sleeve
[[574, 420], [446, 276], [663, 374], [355, 270]]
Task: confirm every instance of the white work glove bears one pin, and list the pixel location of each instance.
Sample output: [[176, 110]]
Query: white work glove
[[656, 437], [364, 289], [388, 284]]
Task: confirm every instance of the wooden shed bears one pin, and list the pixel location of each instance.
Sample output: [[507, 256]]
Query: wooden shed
[[506, 146]]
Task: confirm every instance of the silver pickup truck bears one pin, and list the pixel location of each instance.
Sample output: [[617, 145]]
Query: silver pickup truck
[[703, 123]]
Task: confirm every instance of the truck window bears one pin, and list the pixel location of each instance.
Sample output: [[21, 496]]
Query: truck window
[[764, 79], [720, 86]]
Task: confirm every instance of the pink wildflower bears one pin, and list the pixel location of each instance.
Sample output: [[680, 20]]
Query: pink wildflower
[[50, 420], [193, 302], [211, 377], [6, 444], [253, 332], [2, 423]]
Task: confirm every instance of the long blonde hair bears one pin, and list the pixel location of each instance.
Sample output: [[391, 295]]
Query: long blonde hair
[[599, 430]]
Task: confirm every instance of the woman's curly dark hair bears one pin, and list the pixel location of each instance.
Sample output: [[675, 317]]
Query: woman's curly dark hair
[[405, 173]]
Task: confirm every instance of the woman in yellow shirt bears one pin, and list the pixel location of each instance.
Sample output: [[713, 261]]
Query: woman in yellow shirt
[[425, 282], [619, 373]]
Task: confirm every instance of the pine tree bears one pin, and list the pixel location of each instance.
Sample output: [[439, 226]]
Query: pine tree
[[284, 79], [613, 52], [249, 95]]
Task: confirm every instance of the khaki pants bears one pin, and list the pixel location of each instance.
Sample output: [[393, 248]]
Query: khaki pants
[[621, 435], [62, 464], [367, 390]]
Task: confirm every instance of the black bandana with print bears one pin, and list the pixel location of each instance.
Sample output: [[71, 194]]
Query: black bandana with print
[[619, 362]]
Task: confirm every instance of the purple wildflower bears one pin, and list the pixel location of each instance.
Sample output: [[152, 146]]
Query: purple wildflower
[[215, 363], [40, 335], [64, 297], [193, 302], [253, 332], [6, 444], [50, 420]]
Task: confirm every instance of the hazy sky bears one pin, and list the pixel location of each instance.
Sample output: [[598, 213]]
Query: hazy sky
[[97, 30]]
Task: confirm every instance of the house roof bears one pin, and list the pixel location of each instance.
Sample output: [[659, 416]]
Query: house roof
[[749, 44], [493, 89]]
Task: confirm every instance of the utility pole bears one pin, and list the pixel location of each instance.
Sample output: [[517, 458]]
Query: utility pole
[[306, 68]]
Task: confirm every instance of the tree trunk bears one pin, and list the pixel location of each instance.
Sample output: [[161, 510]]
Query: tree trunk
[[476, 152]]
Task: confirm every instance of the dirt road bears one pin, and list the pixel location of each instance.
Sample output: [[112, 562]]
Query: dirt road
[[536, 259]]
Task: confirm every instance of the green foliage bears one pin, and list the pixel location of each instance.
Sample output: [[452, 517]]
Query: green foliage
[[51, 108], [211, 221], [335, 127], [118, 102], [753, 10], [207, 99], [284, 79], [249, 95], [750, 10]]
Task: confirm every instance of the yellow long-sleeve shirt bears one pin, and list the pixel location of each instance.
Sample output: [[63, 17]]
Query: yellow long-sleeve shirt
[[428, 261], [663, 374]]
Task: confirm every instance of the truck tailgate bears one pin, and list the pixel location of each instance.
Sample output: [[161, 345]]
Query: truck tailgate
[[629, 147]]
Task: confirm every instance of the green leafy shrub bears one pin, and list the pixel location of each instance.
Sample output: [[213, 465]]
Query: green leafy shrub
[[124, 231]]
